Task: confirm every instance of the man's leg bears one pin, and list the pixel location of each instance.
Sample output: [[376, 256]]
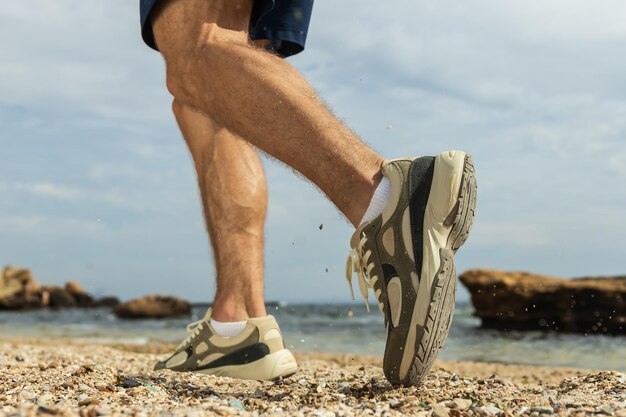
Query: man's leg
[[234, 197], [212, 68], [405, 254]]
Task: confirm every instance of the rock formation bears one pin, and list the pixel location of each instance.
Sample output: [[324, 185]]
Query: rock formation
[[153, 307], [20, 291], [524, 301]]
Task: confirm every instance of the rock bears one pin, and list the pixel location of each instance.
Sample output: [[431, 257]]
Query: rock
[[153, 307], [461, 404], [130, 383], [45, 399], [103, 411], [440, 411], [523, 301], [605, 409], [88, 401], [81, 297], [107, 302], [20, 291], [489, 410], [542, 410], [17, 289], [59, 297]]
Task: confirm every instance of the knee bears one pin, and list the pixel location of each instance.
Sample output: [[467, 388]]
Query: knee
[[176, 78], [200, 61]]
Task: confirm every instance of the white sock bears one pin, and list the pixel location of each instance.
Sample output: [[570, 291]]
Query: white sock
[[228, 329], [379, 201]]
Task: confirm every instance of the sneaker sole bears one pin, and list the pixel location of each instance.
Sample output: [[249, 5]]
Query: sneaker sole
[[275, 365], [434, 307]]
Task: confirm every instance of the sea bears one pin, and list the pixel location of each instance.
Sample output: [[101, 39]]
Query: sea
[[337, 328]]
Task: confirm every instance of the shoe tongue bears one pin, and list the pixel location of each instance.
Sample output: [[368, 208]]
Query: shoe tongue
[[207, 316]]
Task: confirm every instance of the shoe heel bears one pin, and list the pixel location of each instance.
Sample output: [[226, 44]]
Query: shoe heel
[[462, 215]]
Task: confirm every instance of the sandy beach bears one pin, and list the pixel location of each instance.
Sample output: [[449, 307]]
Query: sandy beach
[[65, 377]]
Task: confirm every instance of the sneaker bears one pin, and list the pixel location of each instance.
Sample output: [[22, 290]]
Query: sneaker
[[258, 352], [406, 255]]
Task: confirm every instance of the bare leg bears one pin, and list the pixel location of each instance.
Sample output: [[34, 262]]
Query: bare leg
[[258, 96], [234, 196]]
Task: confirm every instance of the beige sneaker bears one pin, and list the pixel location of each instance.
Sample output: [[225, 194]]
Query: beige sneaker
[[258, 352], [406, 255]]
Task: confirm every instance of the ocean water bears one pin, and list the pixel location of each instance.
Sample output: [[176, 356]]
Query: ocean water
[[338, 328]]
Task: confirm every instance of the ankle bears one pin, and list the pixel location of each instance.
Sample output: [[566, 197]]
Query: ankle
[[367, 190], [229, 310]]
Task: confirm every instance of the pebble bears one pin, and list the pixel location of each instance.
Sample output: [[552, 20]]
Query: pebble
[[103, 411], [237, 404], [606, 409], [46, 409], [460, 404], [26, 395], [130, 383], [521, 410], [542, 410], [489, 410], [88, 401], [440, 411], [333, 387], [45, 399]]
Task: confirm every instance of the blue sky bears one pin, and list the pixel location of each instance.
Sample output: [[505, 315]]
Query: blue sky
[[97, 184]]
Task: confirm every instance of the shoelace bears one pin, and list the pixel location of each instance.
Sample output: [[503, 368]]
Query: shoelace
[[194, 329], [363, 268]]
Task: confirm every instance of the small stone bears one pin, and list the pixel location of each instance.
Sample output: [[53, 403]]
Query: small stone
[[605, 409], [395, 404], [88, 401], [461, 404], [26, 395], [103, 411], [542, 410], [440, 411], [237, 404], [82, 397], [45, 399], [489, 410], [47, 409], [454, 377], [101, 386], [130, 383], [83, 387], [19, 358], [521, 410]]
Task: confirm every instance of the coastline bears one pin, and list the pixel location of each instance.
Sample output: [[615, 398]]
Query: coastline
[[70, 377]]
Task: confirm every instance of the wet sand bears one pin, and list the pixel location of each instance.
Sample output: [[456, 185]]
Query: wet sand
[[69, 378]]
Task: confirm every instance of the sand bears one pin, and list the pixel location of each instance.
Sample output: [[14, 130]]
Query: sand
[[69, 378]]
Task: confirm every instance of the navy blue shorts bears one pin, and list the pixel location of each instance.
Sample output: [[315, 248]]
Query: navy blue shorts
[[284, 23]]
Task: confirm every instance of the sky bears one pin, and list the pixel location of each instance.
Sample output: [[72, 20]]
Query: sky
[[97, 185]]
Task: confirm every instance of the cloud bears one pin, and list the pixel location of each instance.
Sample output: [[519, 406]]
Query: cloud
[[535, 91], [47, 190]]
